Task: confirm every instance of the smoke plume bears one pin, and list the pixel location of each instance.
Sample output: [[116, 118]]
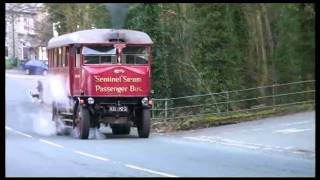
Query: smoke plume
[[118, 12]]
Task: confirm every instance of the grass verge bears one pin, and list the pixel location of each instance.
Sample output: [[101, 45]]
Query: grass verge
[[205, 121]]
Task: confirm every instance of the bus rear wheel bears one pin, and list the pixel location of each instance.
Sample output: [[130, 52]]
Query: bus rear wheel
[[82, 123], [60, 128], [144, 124]]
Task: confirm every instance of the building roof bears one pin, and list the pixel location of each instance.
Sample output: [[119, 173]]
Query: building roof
[[99, 36], [23, 8]]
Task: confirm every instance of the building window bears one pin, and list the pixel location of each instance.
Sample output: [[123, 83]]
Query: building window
[[6, 27], [30, 24], [25, 53], [7, 51], [25, 24]]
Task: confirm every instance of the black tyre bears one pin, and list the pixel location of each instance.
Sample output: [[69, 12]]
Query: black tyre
[[144, 124], [120, 129], [116, 129], [126, 129], [60, 127], [82, 123], [94, 121]]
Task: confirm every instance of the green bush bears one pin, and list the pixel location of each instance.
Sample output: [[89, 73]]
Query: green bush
[[14, 62], [9, 63]]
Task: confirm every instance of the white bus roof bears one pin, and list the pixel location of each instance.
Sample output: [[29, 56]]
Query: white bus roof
[[100, 36]]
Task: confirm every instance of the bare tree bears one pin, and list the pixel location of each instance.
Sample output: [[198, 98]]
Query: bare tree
[[41, 28]]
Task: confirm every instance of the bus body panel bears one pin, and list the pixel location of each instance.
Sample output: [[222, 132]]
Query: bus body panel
[[115, 80]]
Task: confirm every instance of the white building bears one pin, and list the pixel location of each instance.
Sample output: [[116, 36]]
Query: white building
[[22, 41]]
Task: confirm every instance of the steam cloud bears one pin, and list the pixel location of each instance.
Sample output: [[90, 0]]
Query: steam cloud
[[57, 89], [118, 12], [53, 89], [38, 119], [43, 125]]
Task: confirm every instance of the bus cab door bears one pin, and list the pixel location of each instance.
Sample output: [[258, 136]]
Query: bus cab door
[[76, 72]]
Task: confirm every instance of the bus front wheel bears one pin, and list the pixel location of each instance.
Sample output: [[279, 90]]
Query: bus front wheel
[[144, 124], [82, 123]]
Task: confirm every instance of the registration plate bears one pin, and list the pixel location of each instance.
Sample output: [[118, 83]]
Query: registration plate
[[118, 108]]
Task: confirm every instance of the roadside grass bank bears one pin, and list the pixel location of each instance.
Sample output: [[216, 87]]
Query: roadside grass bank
[[205, 121], [9, 64]]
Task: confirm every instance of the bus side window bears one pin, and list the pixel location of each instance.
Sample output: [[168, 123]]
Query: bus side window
[[65, 56], [59, 57], [77, 63], [55, 58], [49, 58]]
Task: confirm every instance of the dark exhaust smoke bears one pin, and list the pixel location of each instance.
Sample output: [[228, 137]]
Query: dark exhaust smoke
[[118, 12]]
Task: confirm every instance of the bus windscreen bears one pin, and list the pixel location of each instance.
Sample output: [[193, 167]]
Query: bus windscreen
[[107, 55]]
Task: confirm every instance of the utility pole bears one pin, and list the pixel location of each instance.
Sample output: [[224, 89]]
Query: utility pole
[[13, 33]]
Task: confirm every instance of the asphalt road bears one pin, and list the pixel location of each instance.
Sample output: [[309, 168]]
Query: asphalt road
[[272, 147]]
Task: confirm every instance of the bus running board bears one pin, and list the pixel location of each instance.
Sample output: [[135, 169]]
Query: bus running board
[[66, 114]]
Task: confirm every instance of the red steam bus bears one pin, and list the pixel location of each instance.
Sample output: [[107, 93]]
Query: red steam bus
[[105, 75]]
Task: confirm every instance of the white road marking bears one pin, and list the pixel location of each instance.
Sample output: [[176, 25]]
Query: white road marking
[[150, 171], [289, 147], [224, 141], [279, 150], [241, 145], [8, 128], [23, 76], [297, 152], [51, 143], [92, 156], [212, 137], [231, 142], [161, 134], [291, 130], [200, 139], [23, 134], [129, 165], [294, 123]]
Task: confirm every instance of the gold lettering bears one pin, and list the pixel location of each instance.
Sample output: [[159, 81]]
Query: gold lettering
[[107, 79], [97, 88], [117, 79], [96, 78], [111, 89], [135, 89], [127, 79]]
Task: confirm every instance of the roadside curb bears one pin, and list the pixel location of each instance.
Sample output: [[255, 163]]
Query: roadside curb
[[15, 71], [23, 76]]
